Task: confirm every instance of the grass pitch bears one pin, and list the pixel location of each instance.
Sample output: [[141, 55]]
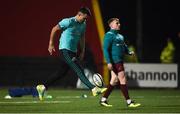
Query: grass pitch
[[72, 101]]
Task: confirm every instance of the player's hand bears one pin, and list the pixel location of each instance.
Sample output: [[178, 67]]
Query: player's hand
[[132, 53], [110, 67], [51, 48]]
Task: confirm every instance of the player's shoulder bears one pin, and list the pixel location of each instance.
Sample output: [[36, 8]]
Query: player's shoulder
[[120, 35], [109, 34], [67, 20]]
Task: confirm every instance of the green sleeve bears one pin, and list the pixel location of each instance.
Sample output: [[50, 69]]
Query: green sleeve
[[106, 47], [126, 48]]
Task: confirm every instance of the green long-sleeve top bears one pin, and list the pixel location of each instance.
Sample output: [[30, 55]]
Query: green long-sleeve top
[[114, 47]]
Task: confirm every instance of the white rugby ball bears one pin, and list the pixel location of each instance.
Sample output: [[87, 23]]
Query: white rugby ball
[[98, 80]]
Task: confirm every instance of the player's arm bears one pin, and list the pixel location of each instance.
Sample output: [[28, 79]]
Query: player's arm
[[106, 47], [127, 50], [51, 46], [130, 52], [62, 25]]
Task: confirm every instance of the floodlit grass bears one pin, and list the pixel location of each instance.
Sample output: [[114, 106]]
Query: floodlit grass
[[71, 101]]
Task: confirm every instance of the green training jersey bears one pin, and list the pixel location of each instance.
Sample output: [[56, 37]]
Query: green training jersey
[[114, 47], [72, 32]]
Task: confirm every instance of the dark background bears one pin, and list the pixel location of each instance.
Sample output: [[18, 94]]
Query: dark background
[[160, 20], [25, 27]]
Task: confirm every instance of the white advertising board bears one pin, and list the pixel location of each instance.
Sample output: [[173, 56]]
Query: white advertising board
[[152, 75]]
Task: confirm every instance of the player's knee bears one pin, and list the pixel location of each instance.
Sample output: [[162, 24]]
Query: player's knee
[[123, 80], [114, 82]]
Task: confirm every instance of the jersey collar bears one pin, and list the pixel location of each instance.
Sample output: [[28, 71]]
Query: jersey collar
[[114, 31]]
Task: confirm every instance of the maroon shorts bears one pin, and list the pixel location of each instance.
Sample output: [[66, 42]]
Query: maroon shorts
[[118, 67]]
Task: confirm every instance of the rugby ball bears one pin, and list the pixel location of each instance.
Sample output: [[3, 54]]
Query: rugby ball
[[98, 80]]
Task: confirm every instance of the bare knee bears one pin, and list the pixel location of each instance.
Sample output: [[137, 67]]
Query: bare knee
[[122, 78], [114, 79]]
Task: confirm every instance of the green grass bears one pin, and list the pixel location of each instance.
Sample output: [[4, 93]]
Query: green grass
[[71, 101]]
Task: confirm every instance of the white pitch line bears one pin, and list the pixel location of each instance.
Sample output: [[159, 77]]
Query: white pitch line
[[89, 96], [169, 96], [68, 97], [35, 102]]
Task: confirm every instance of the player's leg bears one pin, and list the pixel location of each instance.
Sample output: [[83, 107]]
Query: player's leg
[[123, 85], [57, 75], [72, 61], [114, 80], [124, 88], [62, 70]]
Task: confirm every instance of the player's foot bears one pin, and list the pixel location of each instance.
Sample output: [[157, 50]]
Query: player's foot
[[96, 91], [105, 103], [8, 97], [41, 89], [133, 104]]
